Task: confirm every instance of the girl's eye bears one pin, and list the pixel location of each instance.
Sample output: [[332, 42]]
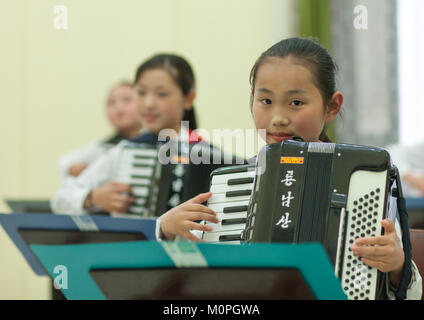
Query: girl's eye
[[296, 103], [163, 94], [140, 93], [266, 101]]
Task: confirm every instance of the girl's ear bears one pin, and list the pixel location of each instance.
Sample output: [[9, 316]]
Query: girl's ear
[[189, 99], [334, 106]]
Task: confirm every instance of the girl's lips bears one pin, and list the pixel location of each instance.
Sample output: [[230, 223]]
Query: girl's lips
[[150, 117], [280, 137]]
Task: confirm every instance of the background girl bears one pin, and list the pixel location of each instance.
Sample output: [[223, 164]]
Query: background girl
[[121, 112], [166, 90]]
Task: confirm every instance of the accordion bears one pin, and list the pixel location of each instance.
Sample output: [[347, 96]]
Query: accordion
[[162, 176], [308, 192]]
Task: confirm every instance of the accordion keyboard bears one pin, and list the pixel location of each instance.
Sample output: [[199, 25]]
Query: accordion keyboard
[[139, 168], [230, 200]]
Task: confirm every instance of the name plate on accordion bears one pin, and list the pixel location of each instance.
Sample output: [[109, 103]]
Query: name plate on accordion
[[317, 192]]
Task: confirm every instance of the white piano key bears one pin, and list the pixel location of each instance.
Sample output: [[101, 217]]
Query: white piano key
[[230, 242], [217, 227], [140, 191], [222, 188], [223, 178], [219, 207], [227, 242], [140, 201], [146, 162], [139, 181], [220, 197], [127, 160], [144, 152], [221, 216], [139, 210], [214, 236], [146, 172]]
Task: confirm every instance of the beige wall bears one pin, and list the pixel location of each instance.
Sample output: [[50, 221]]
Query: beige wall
[[53, 82]]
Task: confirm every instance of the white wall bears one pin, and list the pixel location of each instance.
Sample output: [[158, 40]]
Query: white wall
[[53, 82], [411, 70]]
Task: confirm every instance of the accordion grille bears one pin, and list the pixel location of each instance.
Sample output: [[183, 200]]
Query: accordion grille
[[365, 211]]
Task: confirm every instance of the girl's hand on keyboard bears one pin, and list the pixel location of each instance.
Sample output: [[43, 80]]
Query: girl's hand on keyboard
[[113, 197], [181, 219]]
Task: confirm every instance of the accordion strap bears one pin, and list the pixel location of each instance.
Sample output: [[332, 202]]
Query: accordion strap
[[400, 294]]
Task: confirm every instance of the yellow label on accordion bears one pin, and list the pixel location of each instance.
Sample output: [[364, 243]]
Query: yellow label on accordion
[[180, 159], [292, 160]]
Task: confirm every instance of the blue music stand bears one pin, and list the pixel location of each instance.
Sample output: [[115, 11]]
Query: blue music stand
[[415, 208], [32, 228], [81, 263], [414, 203]]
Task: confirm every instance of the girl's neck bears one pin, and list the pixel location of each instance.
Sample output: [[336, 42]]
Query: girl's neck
[[129, 133]]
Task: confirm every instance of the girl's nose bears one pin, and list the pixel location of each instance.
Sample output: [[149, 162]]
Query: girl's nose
[[120, 106], [149, 101], [279, 119]]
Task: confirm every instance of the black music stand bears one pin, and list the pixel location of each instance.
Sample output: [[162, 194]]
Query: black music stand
[[29, 206]]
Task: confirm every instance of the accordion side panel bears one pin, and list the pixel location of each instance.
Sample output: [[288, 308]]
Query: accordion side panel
[[347, 160], [365, 210]]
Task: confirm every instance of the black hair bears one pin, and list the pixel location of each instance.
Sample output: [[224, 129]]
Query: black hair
[[180, 71], [311, 53]]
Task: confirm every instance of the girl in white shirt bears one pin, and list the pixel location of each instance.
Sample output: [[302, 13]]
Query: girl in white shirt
[[122, 114]]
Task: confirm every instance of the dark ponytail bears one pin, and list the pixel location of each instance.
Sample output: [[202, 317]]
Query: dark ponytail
[[324, 137], [190, 116]]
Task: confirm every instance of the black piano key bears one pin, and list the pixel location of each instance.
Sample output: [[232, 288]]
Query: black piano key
[[232, 182], [138, 185], [138, 206], [238, 193], [138, 176], [139, 198], [230, 237], [226, 222], [140, 156], [235, 209], [142, 165]]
